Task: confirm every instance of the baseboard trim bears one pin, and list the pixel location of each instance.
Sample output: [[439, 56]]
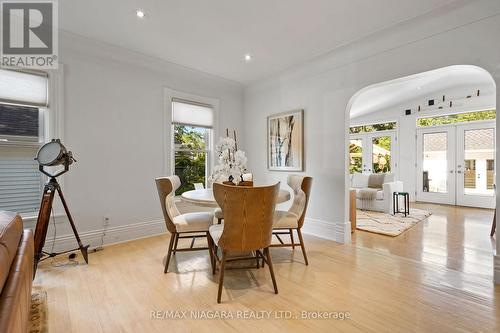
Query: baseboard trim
[[108, 236], [326, 230], [336, 231], [496, 268]]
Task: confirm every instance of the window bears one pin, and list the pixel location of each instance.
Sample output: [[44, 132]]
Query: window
[[373, 127], [23, 104], [355, 155], [192, 125], [371, 148], [456, 118]]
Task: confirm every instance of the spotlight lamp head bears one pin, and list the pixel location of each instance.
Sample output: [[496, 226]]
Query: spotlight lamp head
[[54, 153]]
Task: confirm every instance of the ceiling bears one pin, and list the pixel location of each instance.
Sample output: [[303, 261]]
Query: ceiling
[[401, 92], [214, 35]]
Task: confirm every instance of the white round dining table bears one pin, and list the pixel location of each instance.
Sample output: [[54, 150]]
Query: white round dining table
[[205, 197]]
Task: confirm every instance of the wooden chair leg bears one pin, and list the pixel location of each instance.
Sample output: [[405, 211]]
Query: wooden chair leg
[[299, 233], [210, 253], [175, 243], [291, 238], [271, 270], [494, 224], [221, 276], [170, 246]]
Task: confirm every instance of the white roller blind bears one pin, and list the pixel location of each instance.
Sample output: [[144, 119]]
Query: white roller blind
[[193, 114], [20, 181], [23, 88]]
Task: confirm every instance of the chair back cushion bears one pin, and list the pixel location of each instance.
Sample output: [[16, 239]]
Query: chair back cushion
[[248, 216], [301, 186], [166, 187], [359, 180], [376, 180]]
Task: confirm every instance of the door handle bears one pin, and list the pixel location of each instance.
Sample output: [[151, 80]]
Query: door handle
[[451, 171], [459, 171]]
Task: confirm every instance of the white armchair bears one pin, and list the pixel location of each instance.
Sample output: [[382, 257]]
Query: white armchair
[[383, 197]]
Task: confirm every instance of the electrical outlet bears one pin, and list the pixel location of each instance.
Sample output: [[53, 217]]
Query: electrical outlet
[[105, 220]]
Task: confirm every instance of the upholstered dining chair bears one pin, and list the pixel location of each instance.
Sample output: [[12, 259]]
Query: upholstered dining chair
[[247, 228], [247, 181], [189, 225], [293, 219]]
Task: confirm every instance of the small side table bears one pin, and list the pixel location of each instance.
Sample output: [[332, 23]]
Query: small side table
[[395, 203]]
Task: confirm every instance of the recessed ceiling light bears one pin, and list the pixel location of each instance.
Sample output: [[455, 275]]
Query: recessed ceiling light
[[248, 57], [140, 14]]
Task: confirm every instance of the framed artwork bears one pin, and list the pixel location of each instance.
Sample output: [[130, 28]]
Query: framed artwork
[[285, 141]]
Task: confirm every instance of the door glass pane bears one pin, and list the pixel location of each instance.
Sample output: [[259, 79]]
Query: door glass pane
[[355, 155], [381, 154], [435, 162], [479, 161]]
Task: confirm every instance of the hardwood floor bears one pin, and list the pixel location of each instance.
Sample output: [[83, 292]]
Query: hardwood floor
[[382, 292], [455, 237]]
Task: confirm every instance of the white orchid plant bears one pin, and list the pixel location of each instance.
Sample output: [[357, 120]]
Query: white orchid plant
[[232, 162]]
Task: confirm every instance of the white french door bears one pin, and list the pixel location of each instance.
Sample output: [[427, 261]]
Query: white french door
[[456, 164], [373, 152], [435, 165], [476, 165]]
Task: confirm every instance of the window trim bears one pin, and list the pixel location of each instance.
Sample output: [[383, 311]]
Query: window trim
[[168, 126]]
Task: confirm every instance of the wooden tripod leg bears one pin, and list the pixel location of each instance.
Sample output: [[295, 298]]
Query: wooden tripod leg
[[83, 249], [42, 224]]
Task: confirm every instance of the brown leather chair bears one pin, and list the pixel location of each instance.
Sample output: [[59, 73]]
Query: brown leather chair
[[189, 225], [16, 273], [293, 219], [247, 229]]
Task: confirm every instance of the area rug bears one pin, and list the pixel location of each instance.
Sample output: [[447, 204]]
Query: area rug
[[387, 224], [38, 320]]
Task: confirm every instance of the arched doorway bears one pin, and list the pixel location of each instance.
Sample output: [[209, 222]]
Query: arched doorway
[[434, 134]]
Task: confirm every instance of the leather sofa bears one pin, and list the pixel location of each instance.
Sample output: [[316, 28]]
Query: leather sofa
[[16, 273]]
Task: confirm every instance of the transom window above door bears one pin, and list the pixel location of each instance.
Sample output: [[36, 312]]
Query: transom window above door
[[457, 118], [373, 127]]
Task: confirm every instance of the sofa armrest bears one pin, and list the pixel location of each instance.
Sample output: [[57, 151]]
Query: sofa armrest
[[390, 188]]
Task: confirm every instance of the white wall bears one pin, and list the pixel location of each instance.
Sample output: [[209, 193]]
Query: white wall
[[114, 124], [406, 149], [323, 87]]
